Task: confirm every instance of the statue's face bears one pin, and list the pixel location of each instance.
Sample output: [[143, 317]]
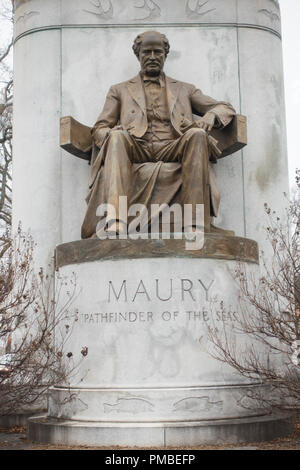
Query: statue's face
[[152, 55]]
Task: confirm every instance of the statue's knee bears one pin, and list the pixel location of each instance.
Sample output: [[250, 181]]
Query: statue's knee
[[118, 145], [196, 132], [117, 134]]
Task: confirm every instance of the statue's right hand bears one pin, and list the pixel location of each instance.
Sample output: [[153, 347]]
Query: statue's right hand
[[100, 135]]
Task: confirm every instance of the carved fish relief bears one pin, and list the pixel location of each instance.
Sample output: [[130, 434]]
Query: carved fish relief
[[129, 405], [68, 406], [197, 404]]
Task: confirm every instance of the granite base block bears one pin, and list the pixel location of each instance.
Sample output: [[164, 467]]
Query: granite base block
[[163, 435]]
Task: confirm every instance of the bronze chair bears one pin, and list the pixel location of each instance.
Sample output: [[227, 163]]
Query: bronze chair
[[76, 139]]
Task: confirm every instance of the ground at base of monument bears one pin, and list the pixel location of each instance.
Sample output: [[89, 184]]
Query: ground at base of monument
[[15, 439]]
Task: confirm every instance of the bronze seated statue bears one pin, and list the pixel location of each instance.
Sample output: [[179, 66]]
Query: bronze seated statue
[[147, 145]]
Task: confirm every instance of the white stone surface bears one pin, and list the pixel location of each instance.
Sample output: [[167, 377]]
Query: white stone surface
[[262, 100], [37, 162], [32, 14], [149, 404], [145, 324], [164, 435], [49, 13]]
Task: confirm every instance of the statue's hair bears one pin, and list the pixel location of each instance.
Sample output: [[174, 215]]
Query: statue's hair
[[139, 39]]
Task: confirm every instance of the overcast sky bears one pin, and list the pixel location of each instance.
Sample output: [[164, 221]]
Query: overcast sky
[[290, 13]]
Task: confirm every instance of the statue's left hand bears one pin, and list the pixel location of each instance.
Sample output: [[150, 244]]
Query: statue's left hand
[[207, 122]]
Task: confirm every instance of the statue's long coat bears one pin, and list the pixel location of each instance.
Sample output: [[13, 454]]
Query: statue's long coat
[[125, 105]]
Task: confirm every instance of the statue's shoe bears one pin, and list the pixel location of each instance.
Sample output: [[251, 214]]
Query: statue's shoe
[[116, 228]]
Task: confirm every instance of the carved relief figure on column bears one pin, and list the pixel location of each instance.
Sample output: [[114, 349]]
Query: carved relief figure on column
[[148, 146]]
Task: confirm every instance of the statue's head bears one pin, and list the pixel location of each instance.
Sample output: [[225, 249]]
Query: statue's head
[[151, 49]]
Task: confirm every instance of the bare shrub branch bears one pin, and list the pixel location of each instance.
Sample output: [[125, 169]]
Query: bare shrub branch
[[31, 314], [262, 342]]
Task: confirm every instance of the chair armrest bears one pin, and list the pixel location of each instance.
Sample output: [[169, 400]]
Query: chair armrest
[[75, 138], [232, 137]]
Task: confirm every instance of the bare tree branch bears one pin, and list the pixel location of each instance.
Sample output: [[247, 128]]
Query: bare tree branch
[[6, 52], [6, 103]]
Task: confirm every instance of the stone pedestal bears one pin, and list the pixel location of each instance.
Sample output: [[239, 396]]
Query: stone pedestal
[[142, 311]]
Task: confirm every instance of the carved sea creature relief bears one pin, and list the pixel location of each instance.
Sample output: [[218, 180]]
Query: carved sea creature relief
[[273, 16], [106, 14], [198, 10], [197, 404], [129, 405], [251, 399], [154, 11], [69, 406], [27, 16]]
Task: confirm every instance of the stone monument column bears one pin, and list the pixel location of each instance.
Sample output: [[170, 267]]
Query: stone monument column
[[230, 49], [148, 378]]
